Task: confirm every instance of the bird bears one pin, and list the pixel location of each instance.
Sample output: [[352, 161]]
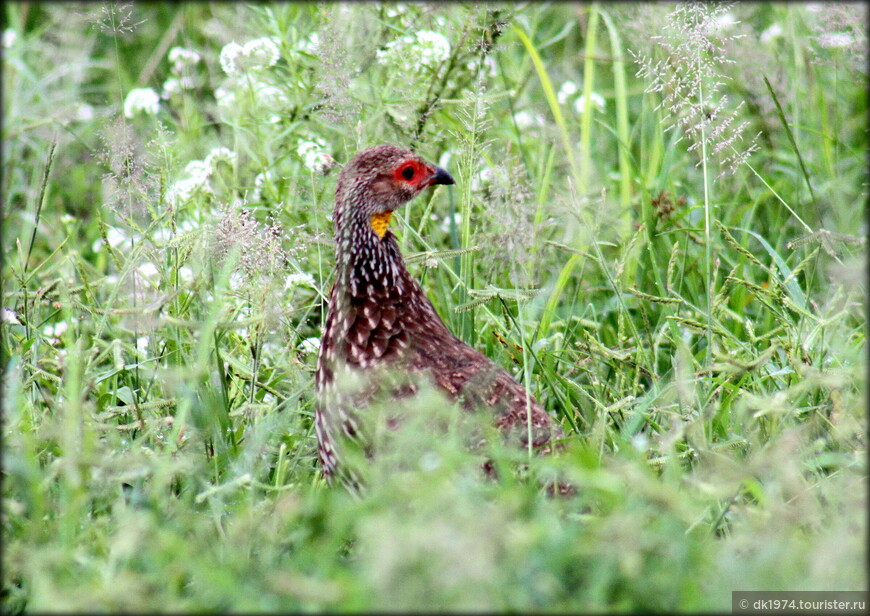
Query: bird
[[379, 318]]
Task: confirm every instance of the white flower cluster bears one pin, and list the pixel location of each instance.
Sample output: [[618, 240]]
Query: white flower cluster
[[84, 112], [182, 62], [260, 181], [423, 50], [54, 331], [569, 89], [220, 154], [405, 15], [303, 279], [173, 86], [267, 97], [433, 48], [197, 175], [9, 38], [313, 154], [182, 59], [141, 100], [185, 188], [724, 22], [310, 345], [482, 179], [456, 221], [116, 237], [598, 103], [773, 32], [9, 316], [527, 120], [254, 55], [396, 10]]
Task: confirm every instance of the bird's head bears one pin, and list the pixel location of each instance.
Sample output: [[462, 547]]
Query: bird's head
[[379, 180]]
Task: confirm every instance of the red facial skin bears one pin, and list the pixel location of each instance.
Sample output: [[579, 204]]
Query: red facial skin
[[414, 174]]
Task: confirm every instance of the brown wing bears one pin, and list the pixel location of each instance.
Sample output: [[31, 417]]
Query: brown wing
[[470, 377]]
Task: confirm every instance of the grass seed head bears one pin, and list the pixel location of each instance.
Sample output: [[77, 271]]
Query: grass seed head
[[129, 184]]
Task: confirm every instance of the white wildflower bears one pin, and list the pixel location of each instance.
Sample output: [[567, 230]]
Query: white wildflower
[[444, 161], [526, 119], [55, 330], [301, 279], [724, 22], [313, 155], [424, 49], [254, 55], [217, 155], [170, 86], [264, 96], [230, 54], [198, 170], [445, 224], [310, 345], [84, 112], [483, 178], [224, 97], [396, 9], [142, 345], [181, 58], [143, 100], [175, 85], [9, 316], [198, 173], [269, 95], [262, 178], [182, 190], [434, 48], [566, 91], [598, 103], [259, 182], [771, 33], [640, 442], [9, 38]]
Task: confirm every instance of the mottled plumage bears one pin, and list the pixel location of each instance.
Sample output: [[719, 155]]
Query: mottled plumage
[[379, 318]]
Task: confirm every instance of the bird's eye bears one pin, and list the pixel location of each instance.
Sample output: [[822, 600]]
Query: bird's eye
[[408, 173]]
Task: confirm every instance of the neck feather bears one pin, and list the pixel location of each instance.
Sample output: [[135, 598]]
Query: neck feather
[[367, 255]]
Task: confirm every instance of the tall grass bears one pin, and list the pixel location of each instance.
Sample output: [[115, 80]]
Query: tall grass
[[691, 311]]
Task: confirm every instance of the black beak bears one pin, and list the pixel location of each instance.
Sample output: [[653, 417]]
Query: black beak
[[440, 177]]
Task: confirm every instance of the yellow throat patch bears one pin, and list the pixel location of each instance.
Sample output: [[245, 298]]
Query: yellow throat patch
[[380, 223]]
